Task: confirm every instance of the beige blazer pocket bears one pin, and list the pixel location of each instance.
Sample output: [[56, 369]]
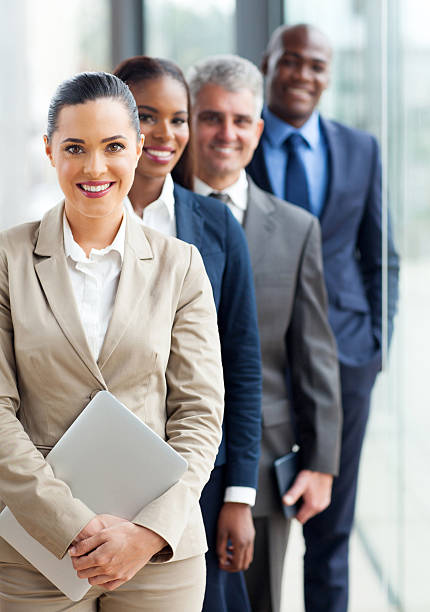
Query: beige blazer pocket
[[141, 380]]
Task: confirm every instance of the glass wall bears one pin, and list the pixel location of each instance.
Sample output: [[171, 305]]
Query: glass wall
[[185, 31], [380, 83], [44, 42], [41, 43]]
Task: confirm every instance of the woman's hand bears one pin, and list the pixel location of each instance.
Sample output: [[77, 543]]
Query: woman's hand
[[99, 522], [115, 552]]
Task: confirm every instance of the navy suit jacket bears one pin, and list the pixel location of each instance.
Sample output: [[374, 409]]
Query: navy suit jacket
[[351, 228], [209, 225]]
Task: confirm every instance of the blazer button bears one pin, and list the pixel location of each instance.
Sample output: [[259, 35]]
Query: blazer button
[[94, 393]]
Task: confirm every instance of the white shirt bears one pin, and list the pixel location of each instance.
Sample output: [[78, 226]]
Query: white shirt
[[95, 282], [238, 194], [160, 215]]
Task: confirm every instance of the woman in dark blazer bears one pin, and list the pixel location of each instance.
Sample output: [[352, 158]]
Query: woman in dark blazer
[[163, 101]]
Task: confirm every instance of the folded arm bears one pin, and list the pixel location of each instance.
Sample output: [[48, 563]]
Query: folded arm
[[41, 503], [194, 407]]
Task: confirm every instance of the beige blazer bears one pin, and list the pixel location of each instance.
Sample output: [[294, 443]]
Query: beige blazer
[[160, 357]]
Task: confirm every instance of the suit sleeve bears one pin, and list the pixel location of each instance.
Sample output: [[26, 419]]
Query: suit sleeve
[[195, 402], [370, 247], [240, 347], [314, 365], [27, 484]]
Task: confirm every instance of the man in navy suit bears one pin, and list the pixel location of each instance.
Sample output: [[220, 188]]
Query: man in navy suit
[[334, 172]]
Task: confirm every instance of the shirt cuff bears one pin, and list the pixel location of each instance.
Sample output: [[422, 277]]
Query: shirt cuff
[[240, 495]]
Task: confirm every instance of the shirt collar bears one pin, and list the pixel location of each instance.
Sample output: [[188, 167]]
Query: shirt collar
[[164, 203], [277, 131], [75, 251], [238, 192]]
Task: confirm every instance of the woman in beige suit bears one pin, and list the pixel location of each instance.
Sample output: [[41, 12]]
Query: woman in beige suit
[[90, 300]]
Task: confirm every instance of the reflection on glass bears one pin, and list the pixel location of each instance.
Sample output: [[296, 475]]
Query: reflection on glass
[[185, 31], [41, 44]]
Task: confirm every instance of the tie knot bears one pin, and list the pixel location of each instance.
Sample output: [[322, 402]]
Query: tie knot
[[224, 197], [294, 141]]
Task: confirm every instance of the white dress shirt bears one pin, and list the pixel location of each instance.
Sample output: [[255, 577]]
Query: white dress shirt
[[160, 215], [238, 194], [94, 282]]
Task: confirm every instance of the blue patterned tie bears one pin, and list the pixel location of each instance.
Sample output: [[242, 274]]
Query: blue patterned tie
[[296, 183]]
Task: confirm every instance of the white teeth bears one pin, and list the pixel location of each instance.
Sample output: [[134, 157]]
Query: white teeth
[[224, 149], [95, 187], [157, 153], [299, 90]]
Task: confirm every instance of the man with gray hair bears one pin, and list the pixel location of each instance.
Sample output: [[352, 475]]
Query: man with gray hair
[[301, 403]]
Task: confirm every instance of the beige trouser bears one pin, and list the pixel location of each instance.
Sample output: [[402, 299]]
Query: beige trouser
[[169, 587]]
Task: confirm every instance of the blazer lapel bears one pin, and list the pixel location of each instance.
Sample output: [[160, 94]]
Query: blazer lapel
[[258, 224], [51, 269], [189, 220], [131, 288], [258, 169], [335, 172]]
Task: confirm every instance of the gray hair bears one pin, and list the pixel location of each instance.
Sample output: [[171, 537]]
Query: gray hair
[[230, 72]]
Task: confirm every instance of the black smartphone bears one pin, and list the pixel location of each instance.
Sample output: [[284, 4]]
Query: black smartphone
[[286, 470]]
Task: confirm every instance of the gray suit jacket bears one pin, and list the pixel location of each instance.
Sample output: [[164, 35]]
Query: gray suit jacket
[[301, 391]]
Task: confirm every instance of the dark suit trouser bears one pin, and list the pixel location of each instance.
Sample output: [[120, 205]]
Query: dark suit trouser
[[327, 534], [225, 591], [264, 576]]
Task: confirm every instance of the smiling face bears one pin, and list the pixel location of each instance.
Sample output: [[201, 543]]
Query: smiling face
[[95, 151], [297, 70], [163, 113], [226, 132]]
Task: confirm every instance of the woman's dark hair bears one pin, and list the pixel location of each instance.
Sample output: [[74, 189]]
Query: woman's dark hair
[[143, 68], [88, 86]]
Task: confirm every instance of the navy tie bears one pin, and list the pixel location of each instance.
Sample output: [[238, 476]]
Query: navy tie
[[296, 182]]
